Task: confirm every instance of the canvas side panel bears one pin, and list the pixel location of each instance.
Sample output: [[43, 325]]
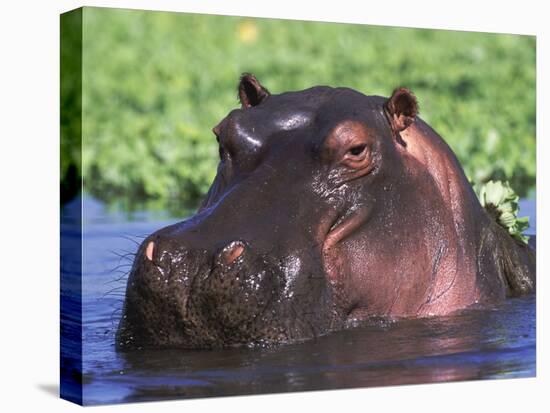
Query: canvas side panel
[[71, 206]]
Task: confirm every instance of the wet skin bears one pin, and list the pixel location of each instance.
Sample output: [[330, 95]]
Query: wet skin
[[328, 207]]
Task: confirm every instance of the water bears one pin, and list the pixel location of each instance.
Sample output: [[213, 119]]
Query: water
[[492, 343]]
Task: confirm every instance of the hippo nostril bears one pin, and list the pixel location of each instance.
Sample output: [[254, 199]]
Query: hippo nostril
[[231, 252], [149, 250]]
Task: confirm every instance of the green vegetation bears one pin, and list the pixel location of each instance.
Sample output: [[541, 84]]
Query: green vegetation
[[155, 84], [500, 200], [70, 63]]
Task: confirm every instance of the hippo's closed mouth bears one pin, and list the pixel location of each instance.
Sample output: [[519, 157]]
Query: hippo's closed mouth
[[327, 204]]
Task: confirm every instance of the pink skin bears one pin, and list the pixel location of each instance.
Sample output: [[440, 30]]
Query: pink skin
[[436, 256], [420, 258]]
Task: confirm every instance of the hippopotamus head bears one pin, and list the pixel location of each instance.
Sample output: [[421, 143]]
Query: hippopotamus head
[[319, 211]]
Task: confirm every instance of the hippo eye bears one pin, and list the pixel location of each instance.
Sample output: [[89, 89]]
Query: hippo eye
[[357, 150]]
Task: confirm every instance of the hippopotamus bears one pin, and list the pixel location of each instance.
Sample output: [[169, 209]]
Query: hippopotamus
[[329, 207]]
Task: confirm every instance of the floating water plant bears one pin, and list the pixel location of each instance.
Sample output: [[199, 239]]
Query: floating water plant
[[500, 200]]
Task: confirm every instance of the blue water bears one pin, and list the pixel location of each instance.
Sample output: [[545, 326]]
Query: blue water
[[492, 343]]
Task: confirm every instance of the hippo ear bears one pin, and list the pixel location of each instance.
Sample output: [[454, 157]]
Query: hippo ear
[[402, 108], [251, 92]]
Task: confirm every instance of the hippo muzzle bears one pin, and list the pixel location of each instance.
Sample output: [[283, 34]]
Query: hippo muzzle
[[198, 298], [180, 294]]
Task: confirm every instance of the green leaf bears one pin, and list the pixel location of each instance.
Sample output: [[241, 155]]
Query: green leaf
[[499, 199]]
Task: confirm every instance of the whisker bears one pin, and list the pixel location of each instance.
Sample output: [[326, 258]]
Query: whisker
[[123, 256], [126, 253], [117, 312], [127, 266], [121, 278], [130, 257], [115, 288], [129, 238], [118, 267], [123, 272], [111, 294]]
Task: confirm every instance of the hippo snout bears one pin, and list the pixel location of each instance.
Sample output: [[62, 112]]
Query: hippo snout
[[182, 295]]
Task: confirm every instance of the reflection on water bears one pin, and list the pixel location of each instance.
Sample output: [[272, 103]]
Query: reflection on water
[[477, 344]]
